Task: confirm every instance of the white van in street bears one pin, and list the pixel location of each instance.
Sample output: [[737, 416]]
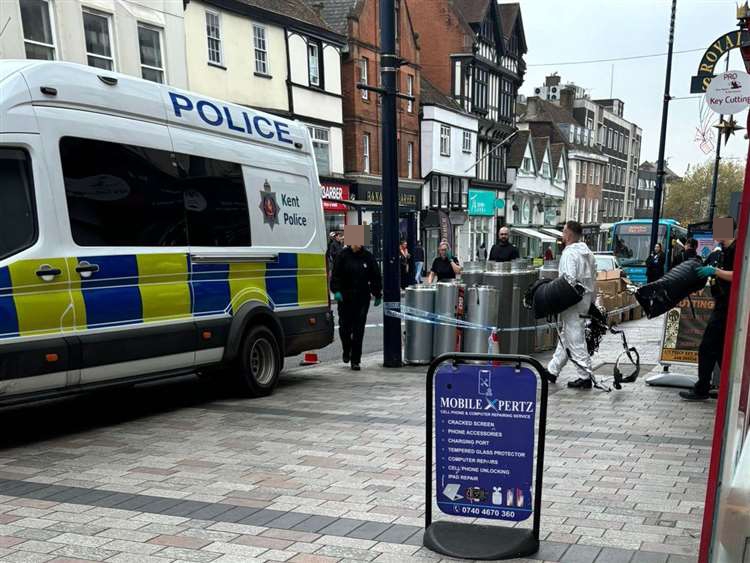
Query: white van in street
[[148, 232]]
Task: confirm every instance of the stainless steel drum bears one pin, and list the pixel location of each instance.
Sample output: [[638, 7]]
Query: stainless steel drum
[[471, 273], [481, 308], [446, 303], [419, 334], [498, 275], [546, 337], [522, 341]]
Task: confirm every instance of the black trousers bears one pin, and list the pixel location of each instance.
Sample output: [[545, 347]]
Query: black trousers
[[352, 320], [710, 351]]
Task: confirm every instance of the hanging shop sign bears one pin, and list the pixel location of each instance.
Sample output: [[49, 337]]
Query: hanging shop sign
[[729, 92], [732, 40], [482, 202], [484, 432]]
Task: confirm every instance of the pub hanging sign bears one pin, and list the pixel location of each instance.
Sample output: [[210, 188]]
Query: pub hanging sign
[[706, 69]]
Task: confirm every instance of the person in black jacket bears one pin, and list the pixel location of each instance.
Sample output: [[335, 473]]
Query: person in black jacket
[[356, 276], [655, 264], [503, 250]]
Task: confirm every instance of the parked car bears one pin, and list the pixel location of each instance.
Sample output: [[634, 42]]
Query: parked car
[[606, 261]]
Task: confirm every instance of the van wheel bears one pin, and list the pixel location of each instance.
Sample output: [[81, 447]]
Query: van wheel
[[259, 362]]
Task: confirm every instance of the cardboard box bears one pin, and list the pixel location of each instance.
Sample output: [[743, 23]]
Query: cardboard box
[[608, 287], [609, 275]]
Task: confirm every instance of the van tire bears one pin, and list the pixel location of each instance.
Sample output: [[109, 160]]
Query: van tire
[[259, 362]]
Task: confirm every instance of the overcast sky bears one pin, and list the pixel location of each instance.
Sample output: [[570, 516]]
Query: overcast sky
[[580, 30]]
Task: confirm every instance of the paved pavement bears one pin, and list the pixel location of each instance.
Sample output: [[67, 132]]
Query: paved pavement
[[331, 468]]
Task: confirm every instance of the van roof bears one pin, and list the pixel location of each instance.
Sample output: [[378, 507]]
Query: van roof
[[91, 89]]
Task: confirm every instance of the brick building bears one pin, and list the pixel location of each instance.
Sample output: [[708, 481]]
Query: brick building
[[358, 20], [472, 50]]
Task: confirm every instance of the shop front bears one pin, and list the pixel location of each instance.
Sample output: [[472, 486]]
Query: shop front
[[371, 197], [333, 211]]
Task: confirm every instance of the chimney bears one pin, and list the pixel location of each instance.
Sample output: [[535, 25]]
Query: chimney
[[532, 106], [552, 80], [567, 97]]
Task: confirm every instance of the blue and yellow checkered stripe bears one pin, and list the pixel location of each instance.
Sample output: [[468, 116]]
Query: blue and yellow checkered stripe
[[134, 289]]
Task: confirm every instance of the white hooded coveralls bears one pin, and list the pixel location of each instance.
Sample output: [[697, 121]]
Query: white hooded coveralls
[[578, 262]]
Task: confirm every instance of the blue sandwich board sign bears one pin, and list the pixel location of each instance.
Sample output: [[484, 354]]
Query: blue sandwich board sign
[[484, 437]]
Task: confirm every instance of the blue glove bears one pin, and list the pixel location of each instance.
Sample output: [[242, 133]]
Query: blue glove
[[338, 297], [378, 301], [449, 254], [706, 271]]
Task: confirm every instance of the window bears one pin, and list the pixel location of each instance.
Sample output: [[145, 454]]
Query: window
[[363, 66], [313, 63], [466, 145], [149, 43], [480, 90], [526, 166], [96, 28], [38, 32], [124, 195], [591, 172], [445, 140], [606, 175], [366, 152], [597, 173], [578, 171], [213, 33], [321, 146], [434, 192], [546, 170], [507, 99], [18, 227], [445, 188], [455, 192], [465, 193], [410, 160], [410, 92], [261, 49], [585, 172]]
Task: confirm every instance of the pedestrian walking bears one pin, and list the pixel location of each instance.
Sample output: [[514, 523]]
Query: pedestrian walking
[[482, 253], [404, 259], [655, 264], [503, 250], [356, 276], [711, 347], [334, 247], [445, 266], [577, 263], [418, 262]]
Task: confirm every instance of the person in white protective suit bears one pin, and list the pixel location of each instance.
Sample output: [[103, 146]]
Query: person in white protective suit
[[578, 263]]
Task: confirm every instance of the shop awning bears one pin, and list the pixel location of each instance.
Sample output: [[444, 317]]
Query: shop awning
[[531, 233], [553, 232]]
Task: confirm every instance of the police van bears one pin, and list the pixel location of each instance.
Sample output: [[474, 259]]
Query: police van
[[148, 232]]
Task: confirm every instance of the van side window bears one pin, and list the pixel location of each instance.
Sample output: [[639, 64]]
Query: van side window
[[215, 202], [122, 195], [18, 224]]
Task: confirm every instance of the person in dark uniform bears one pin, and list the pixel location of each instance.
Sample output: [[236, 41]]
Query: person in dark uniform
[[356, 276], [655, 264], [711, 348], [445, 266], [690, 252], [503, 250]]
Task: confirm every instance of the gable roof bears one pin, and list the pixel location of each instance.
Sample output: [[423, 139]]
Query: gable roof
[[473, 11], [336, 13], [510, 19], [556, 152], [518, 149], [294, 9], [540, 147], [429, 95]]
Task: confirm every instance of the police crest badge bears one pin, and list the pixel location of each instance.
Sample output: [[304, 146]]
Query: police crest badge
[[268, 206]]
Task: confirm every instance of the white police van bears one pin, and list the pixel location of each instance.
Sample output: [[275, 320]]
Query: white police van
[[146, 232]]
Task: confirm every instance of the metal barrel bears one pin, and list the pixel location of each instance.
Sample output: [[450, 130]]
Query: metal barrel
[[481, 308], [546, 337], [521, 341], [472, 273], [446, 303], [419, 334], [498, 275]]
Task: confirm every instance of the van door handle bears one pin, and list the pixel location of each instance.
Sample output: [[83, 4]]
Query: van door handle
[[47, 272], [86, 269]]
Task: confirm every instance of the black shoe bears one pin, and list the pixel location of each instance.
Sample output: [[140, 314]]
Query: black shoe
[[355, 367], [580, 384], [345, 358], [693, 396], [551, 377]]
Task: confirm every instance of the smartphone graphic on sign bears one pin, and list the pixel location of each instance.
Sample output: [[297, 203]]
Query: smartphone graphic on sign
[[485, 382]]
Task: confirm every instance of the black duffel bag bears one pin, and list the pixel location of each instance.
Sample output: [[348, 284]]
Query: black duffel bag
[[549, 297], [664, 294]]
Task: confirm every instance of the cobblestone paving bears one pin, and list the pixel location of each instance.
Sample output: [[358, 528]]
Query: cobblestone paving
[[331, 468]]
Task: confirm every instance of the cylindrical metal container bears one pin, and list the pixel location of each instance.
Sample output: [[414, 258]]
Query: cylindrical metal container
[[419, 334], [546, 337], [471, 273], [448, 303], [498, 275], [522, 341], [481, 308]]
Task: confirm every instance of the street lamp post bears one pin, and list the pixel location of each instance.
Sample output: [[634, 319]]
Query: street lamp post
[[663, 136]]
